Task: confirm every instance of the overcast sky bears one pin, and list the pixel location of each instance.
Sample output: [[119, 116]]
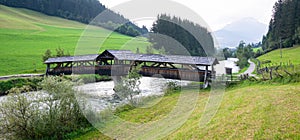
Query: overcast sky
[[219, 13]]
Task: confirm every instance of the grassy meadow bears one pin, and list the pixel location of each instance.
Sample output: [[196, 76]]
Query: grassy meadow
[[289, 55], [257, 49], [249, 111], [25, 35]]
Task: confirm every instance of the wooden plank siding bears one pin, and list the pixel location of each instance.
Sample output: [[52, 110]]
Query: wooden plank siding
[[171, 73]]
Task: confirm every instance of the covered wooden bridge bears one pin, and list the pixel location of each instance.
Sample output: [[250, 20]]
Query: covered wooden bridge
[[119, 63]]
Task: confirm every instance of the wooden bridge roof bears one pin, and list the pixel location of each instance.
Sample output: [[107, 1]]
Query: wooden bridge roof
[[178, 59], [119, 54], [129, 56], [79, 58], [175, 59]]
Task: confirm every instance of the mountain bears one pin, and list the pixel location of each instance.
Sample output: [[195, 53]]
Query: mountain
[[248, 29]]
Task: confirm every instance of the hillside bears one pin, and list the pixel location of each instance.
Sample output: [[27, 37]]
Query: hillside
[[250, 111], [83, 11], [25, 35], [288, 55]]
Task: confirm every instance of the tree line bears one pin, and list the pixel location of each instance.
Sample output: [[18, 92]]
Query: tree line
[[284, 27], [243, 52], [80, 10], [176, 36]]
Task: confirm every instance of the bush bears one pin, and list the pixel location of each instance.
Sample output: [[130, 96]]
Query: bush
[[124, 108], [91, 78], [5, 86], [242, 63], [129, 86], [42, 115], [171, 87]]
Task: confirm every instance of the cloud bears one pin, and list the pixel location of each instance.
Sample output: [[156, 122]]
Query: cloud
[[218, 13]]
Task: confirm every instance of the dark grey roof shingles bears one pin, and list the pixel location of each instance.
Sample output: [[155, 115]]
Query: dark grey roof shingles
[[176, 59], [90, 57], [128, 55]]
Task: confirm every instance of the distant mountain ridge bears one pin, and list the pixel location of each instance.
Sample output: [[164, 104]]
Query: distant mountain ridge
[[248, 29]]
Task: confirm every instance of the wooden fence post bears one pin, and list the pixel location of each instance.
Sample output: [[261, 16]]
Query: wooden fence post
[[271, 77]]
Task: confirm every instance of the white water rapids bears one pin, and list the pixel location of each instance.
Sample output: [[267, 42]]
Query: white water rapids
[[98, 96]]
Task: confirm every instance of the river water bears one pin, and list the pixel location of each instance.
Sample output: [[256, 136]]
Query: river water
[[98, 96], [229, 63]]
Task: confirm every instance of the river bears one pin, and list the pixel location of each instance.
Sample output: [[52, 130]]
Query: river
[[98, 96], [229, 63]]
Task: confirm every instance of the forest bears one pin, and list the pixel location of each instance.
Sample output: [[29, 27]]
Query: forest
[[82, 11], [188, 37], [284, 27]]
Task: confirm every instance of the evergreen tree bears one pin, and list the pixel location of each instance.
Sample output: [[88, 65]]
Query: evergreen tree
[[47, 55], [195, 39], [284, 26]]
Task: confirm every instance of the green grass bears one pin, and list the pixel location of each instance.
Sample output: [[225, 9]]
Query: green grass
[[260, 112], [256, 49], [25, 35], [154, 113], [288, 55], [243, 70], [255, 111]]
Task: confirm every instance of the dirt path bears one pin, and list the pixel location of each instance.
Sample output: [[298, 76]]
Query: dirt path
[[20, 76], [251, 68]]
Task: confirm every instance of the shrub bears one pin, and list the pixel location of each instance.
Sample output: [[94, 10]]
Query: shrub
[[129, 86], [124, 108], [91, 78], [242, 63], [42, 115], [171, 87], [5, 86]]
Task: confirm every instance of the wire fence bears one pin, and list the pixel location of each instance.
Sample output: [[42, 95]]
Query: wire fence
[[269, 70]]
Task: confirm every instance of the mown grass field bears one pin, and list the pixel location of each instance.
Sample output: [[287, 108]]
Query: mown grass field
[[289, 55], [25, 35], [257, 49], [251, 111]]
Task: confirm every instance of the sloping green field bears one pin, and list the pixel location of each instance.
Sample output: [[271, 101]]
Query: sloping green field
[[258, 111], [25, 35], [288, 55]]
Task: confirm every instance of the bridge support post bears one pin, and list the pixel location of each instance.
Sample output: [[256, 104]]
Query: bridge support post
[[205, 85], [48, 69]]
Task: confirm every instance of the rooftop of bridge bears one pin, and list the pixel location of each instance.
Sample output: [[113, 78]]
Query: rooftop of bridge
[[130, 56], [79, 58]]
